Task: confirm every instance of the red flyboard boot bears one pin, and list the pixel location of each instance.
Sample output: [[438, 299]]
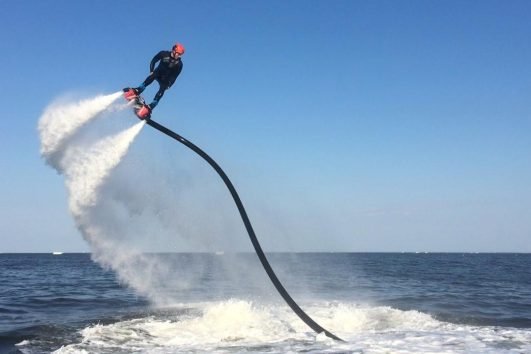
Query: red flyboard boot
[[144, 112], [130, 94]]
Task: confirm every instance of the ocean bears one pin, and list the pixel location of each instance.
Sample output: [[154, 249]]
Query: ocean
[[224, 303]]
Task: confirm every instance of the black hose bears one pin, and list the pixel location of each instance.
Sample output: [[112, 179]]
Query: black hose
[[302, 315]]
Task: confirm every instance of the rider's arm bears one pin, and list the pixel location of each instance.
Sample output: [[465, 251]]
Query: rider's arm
[[155, 59]]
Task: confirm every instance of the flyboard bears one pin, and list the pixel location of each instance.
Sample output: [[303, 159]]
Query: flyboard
[[139, 104], [141, 109]]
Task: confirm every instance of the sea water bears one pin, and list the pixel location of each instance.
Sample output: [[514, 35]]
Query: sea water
[[224, 303]]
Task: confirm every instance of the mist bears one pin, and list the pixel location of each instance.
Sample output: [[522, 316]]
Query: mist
[[131, 200]]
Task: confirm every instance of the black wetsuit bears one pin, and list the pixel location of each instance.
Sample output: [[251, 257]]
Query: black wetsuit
[[165, 73]]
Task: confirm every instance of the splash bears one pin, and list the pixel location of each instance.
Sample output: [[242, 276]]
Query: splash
[[213, 328]]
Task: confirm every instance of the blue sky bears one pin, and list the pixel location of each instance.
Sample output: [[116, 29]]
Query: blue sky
[[393, 125]]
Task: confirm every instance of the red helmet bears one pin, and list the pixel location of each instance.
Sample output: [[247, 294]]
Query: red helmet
[[178, 48]]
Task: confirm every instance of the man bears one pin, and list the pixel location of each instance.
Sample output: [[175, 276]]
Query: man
[[167, 71]]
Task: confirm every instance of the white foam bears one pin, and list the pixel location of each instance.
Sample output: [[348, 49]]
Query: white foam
[[237, 325], [25, 342]]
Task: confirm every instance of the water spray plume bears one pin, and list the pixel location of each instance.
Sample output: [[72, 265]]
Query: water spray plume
[[85, 169], [86, 160], [60, 120]]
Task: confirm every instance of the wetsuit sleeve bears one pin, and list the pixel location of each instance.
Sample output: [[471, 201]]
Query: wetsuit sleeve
[[155, 59]]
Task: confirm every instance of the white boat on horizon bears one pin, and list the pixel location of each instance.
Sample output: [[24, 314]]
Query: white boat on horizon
[[55, 253]]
